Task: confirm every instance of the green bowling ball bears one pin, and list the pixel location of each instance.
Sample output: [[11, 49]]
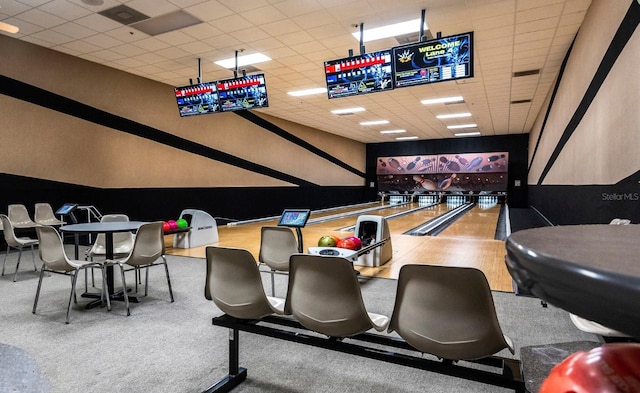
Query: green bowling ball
[[182, 223], [327, 241]]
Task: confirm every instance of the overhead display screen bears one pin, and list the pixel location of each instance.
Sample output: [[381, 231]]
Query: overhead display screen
[[441, 59], [247, 92], [197, 99], [368, 73]]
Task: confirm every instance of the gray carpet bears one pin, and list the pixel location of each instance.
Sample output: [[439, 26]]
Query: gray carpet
[[173, 347]]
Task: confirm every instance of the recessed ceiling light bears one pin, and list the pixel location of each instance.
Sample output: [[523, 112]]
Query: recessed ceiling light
[[455, 127], [93, 2], [9, 28], [347, 110], [453, 115], [243, 60], [393, 131], [468, 133], [443, 100], [396, 29], [307, 92], [405, 138], [374, 122]]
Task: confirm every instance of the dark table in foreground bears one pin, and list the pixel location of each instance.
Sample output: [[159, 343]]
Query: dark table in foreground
[[108, 228], [592, 271]]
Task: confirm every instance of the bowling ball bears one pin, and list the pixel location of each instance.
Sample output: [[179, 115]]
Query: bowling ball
[[611, 368], [165, 226], [182, 223], [356, 241], [347, 243], [172, 224], [327, 241]]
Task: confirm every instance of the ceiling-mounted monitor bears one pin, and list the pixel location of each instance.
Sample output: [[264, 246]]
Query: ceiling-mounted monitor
[[242, 93], [437, 60], [198, 99], [367, 73]]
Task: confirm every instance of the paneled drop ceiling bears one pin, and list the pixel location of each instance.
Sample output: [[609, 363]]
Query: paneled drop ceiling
[[511, 37]]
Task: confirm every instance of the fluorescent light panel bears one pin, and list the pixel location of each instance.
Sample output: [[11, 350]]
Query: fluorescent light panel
[[468, 133], [406, 138], [374, 122], [443, 100], [393, 131], [396, 29], [308, 92], [457, 126], [453, 115], [243, 60], [348, 110], [9, 28]]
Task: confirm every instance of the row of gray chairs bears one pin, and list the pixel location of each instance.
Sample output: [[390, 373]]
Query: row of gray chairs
[[20, 218], [444, 311]]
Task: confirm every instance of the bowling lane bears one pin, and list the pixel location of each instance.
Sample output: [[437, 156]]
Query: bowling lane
[[337, 220], [478, 223], [404, 223]]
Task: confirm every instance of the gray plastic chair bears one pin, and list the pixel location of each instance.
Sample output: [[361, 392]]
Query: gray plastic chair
[[148, 249], [44, 215], [55, 260], [16, 242], [277, 244], [324, 296], [122, 245], [234, 284], [19, 216], [447, 312]]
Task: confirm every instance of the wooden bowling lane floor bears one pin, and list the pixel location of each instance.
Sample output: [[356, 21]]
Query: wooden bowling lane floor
[[467, 242]]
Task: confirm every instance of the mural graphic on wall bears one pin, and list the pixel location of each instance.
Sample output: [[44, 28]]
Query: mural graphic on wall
[[464, 172]]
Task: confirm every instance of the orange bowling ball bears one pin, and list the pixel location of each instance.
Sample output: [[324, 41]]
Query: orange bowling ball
[[347, 243]]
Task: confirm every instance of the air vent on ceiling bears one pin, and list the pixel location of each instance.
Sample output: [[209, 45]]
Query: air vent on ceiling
[[520, 101], [123, 14], [412, 37], [166, 23], [525, 73], [344, 114], [454, 103]]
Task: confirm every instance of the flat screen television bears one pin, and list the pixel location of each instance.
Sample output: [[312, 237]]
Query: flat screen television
[[368, 73], [437, 60], [66, 208], [197, 99], [295, 218], [242, 93]]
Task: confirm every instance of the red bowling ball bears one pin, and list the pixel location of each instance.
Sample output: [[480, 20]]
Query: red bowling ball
[[347, 243], [165, 226]]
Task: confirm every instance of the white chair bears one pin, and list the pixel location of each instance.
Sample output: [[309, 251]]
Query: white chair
[[122, 245], [44, 215], [16, 242], [277, 244], [448, 312], [148, 248], [324, 296], [234, 284], [19, 216], [55, 260]]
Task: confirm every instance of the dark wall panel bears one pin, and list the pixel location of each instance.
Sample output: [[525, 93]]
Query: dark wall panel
[[516, 145]]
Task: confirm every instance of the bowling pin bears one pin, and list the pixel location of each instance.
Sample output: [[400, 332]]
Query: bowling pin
[[474, 163]]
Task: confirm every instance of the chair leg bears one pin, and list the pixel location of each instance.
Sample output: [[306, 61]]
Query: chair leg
[[72, 294], [33, 256], [35, 302], [273, 283], [105, 290], [5, 259], [166, 269], [75, 297], [124, 290], [15, 275], [146, 280]]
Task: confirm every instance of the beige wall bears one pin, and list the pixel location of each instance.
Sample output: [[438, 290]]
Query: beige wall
[[605, 147], [45, 144]]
